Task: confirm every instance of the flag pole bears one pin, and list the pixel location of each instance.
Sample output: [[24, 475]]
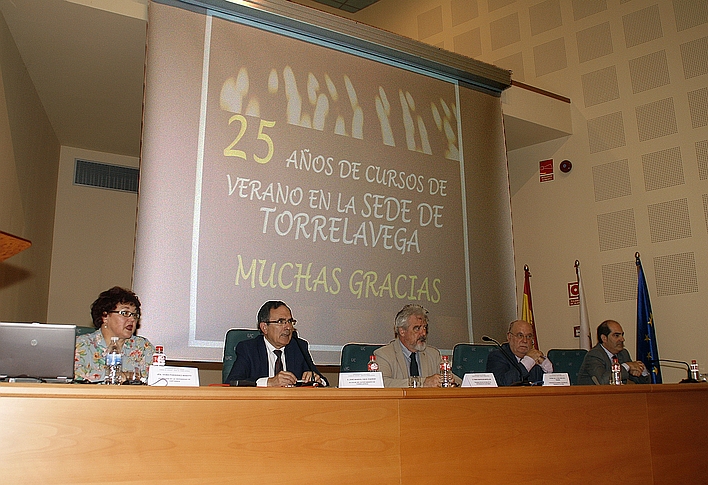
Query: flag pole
[[527, 306], [585, 338]]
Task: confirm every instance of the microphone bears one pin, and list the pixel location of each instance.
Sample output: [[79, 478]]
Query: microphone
[[241, 383], [688, 369], [308, 361], [514, 363]]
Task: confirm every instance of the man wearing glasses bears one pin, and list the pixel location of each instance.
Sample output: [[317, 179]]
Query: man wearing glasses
[[532, 364], [275, 358], [408, 358]]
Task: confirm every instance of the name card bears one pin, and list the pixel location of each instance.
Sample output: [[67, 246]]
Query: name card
[[166, 375], [370, 380], [479, 379], [556, 379]]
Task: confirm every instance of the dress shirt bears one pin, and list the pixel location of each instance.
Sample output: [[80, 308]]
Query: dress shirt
[[645, 372], [272, 358]]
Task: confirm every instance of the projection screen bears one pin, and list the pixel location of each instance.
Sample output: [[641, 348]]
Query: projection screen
[[278, 165]]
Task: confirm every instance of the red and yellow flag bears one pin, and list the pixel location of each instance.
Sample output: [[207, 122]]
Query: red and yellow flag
[[527, 306]]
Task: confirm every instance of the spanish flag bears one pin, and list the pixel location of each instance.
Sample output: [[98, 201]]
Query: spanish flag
[[527, 307]]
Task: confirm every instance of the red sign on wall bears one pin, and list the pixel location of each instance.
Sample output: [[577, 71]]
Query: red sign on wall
[[546, 170]]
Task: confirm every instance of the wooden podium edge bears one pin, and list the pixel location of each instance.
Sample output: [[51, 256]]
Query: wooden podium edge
[[11, 245]]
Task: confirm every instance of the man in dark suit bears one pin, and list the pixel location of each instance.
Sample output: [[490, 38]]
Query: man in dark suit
[[275, 358], [597, 365], [532, 364]]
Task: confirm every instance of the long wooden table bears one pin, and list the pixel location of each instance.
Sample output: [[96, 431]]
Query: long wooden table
[[102, 434]]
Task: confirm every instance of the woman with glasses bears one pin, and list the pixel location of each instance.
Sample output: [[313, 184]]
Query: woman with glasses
[[115, 313]]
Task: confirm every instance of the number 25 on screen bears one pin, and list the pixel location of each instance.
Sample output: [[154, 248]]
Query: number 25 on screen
[[230, 151]]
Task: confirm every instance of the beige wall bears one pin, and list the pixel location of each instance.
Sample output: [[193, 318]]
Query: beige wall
[[636, 72], [94, 234], [29, 160]]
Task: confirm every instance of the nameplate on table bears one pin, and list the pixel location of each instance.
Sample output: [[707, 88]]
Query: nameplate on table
[[556, 379], [371, 380], [479, 379], [167, 375]]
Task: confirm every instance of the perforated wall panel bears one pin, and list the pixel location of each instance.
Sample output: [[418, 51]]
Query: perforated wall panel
[[611, 180], [694, 56], [505, 31], [663, 169], [656, 119], [594, 42], [616, 230], [545, 16], [606, 132], [698, 106], [642, 26], [619, 281], [669, 220], [649, 72], [585, 8], [676, 274], [690, 13], [600, 86]]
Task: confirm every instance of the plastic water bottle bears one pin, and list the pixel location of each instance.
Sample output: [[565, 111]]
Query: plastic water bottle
[[114, 361], [695, 373], [159, 358], [372, 366], [616, 378], [446, 372]]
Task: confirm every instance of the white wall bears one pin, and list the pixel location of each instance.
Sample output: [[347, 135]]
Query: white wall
[[636, 73], [94, 238]]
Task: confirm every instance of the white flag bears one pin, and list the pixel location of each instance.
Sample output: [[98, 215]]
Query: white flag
[[585, 339]]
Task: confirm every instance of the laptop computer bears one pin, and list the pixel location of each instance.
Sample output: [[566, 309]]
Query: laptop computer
[[37, 351]]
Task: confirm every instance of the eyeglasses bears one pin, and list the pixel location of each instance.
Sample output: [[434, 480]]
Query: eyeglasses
[[521, 336], [127, 314], [282, 321]]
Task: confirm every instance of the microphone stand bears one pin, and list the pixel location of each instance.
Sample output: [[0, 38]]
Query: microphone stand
[[310, 364], [688, 378], [514, 363]]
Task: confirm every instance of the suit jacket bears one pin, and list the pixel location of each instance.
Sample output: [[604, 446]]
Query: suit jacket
[[596, 363], [395, 369], [507, 374], [252, 360]]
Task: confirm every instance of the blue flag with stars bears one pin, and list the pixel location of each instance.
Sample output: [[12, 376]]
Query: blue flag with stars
[[647, 350]]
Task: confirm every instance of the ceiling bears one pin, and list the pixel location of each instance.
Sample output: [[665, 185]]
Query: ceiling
[[86, 60], [86, 64]]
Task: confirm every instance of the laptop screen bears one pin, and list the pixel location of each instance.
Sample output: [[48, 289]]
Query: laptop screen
[[37, 350]]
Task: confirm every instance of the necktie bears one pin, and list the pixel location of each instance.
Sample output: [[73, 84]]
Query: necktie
[[278, 362], [414, 366]]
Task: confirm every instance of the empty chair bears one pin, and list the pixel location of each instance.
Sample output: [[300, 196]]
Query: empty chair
[[233, 337], [469, 358], [567, 360], [355, 357]]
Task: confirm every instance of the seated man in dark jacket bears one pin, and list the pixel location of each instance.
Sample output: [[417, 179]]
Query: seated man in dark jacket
[[597, 366], [531, 363], [275, 358]]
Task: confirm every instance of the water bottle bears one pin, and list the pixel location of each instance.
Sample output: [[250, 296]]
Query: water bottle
[[446, 372], [114, 361], [159, 358], [372, 366], [695, 373], [616, 378]]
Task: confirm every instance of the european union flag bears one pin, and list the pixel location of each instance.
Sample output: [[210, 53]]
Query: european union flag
[[647, 350]]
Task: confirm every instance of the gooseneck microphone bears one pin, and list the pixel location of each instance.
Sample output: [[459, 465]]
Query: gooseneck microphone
[[688, 369], [524, 378], [310, 364]]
